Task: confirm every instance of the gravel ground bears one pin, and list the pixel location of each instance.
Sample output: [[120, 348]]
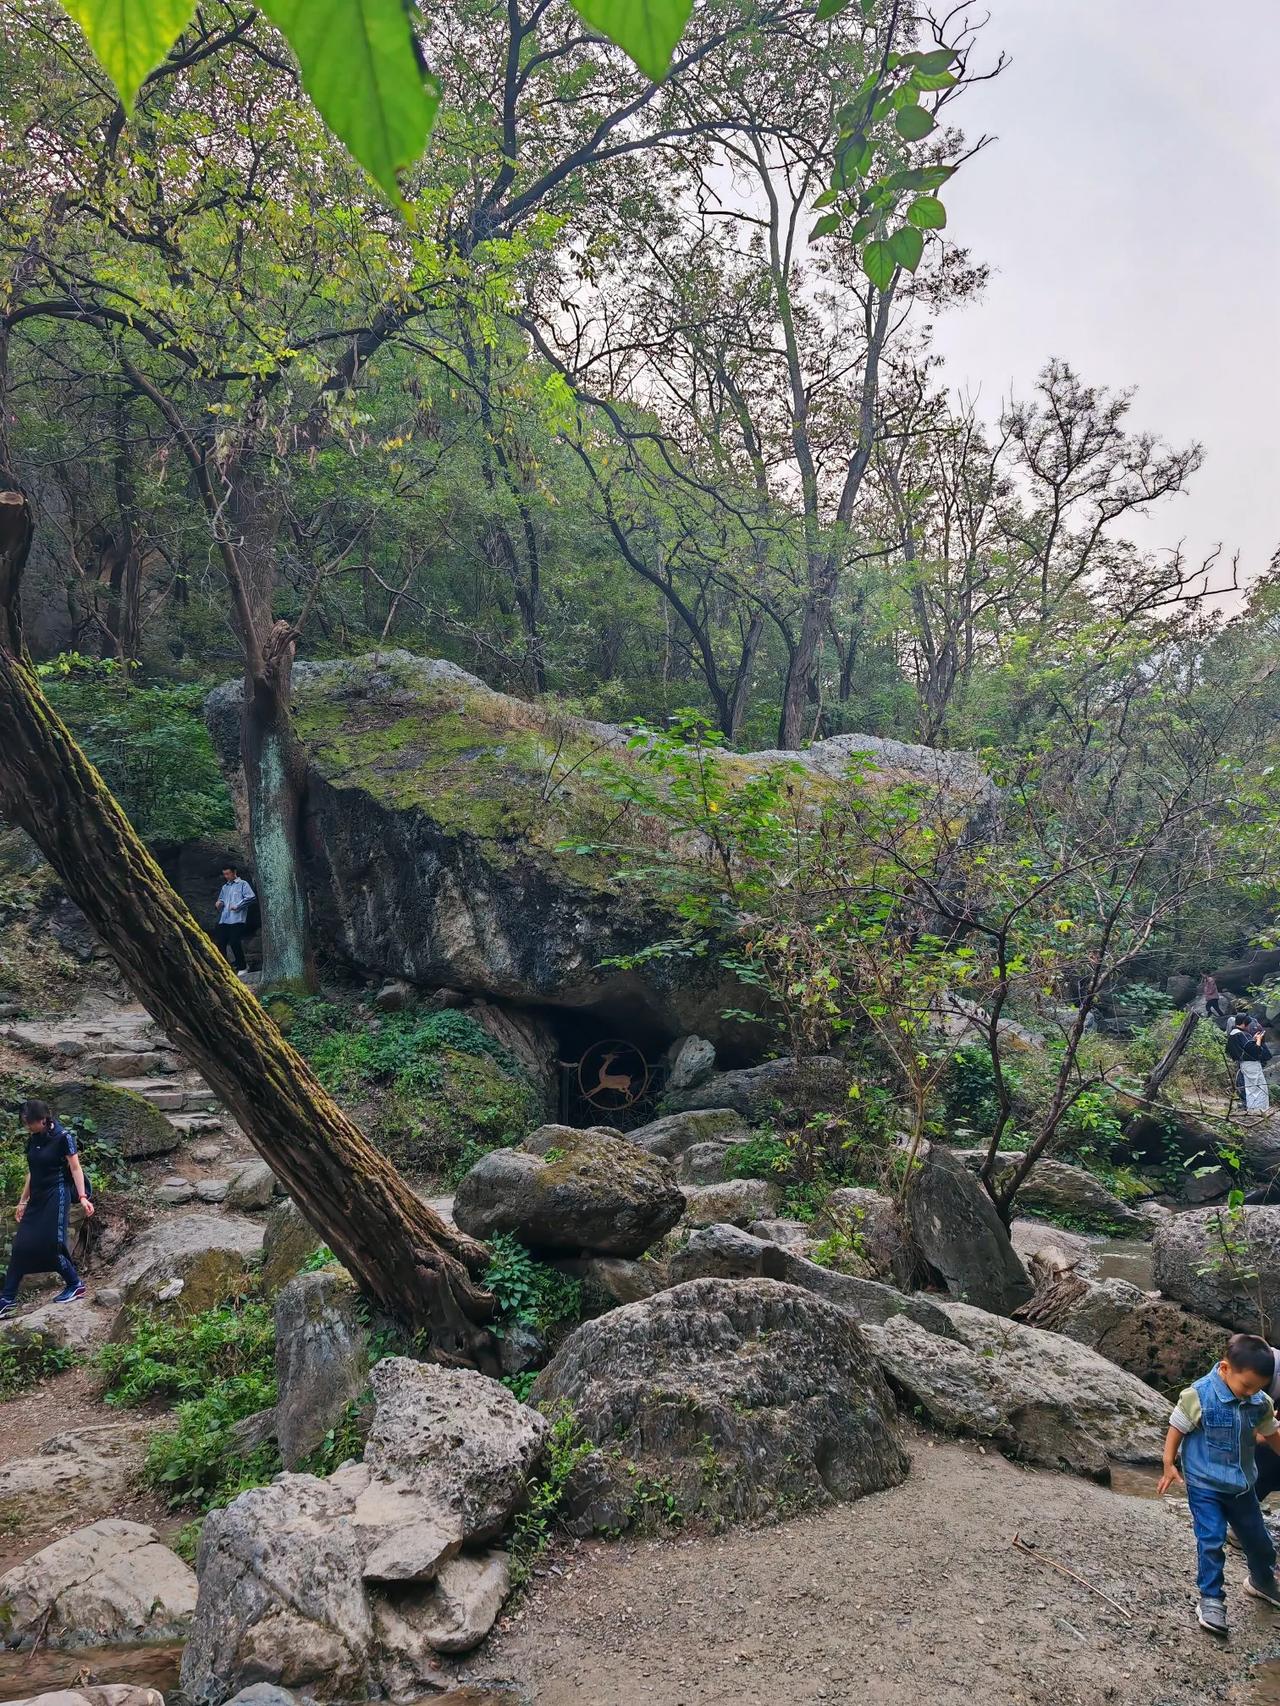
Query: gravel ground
[[909, 1596]]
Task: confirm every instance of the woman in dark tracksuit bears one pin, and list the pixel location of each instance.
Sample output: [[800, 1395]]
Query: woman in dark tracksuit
[[54, 1174]]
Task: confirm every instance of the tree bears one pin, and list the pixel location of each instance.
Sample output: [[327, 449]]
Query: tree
[[400, 1251]]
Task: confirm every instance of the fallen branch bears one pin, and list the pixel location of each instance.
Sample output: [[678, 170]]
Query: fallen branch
[[1028, 1550]]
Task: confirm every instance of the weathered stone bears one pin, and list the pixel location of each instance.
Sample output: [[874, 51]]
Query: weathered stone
[[786, 1090], [1055, 1187], [287, 1241], [584, 1191], [1041, 1396], [747, 1398], [735, 1202], [1161, 1344], [213, 1190], [263, 1694], [253, 1432], [616, 1278], [206, 1152], [105, 1694], [212, 1255], [78, 1473], [252, 1186], [114, 1115], [676, 1133], [1224, 1265], [108, 1584], [322, 1359], [690, 1060], [791, 1234], [957, 1235], [726, 1252], [521, 1348], [1035, 1239], [594, 1500], [394, 996], [706, 1163], [172, 1193], [53, 1326], [874, 1226], [464, 1603], [460, 1441]]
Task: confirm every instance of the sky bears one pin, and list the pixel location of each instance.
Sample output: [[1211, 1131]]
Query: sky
[[1130, 211]]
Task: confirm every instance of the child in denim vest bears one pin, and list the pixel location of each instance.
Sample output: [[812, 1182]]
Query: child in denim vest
[[1214, 1426]]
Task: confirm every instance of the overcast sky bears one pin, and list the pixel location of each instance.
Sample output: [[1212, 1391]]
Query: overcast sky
[[1130, 211]]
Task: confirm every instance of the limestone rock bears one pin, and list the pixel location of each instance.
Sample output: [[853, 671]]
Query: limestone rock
[[56, 1326], [1055, 1187], [287, 1241], [459, 1441], [616, 1278], [748, 1398], [735, 1202], [252, 1186], [82, 1472], [464, 1603], [114, 1115], [706, 1163], [791, 1234], [785, 1089], [394, 996], [1040, 1395], [109, 1584], [726, 1252], [105, 1694], [1161, 1344], [584, 1191], [1223, 1265], [673, 1135], [212, 1254], [173, 1193], [322, 1359], [957, 1235], [689, 1061], [213, 1190], [872, 1222], [263, 1694]]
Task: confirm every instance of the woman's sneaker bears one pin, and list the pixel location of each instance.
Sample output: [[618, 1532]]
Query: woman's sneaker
[[1267, 1588], [70, 1294], [6, 1308], [1211, 1614]]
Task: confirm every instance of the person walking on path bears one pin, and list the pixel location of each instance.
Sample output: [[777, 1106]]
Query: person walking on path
[[234, 899], [1213, 1004], [54, 1175]]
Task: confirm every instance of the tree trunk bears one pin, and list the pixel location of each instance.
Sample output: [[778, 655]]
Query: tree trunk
[[275, 773], [800, 692], [399, 1250]]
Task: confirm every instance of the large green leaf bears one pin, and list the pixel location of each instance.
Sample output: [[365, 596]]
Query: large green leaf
[[646, 29], [907, 246], [130, 37], [914, 122], [360, 67], [928, 213], [878, 264]]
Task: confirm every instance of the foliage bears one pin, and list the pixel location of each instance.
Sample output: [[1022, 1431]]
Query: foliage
[[529, 1291], [23, 1365], [535, 1525]]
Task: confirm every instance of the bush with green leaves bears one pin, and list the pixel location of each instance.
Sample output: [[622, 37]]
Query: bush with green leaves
[[25, 1365], [535, 1525], [528, 1291]]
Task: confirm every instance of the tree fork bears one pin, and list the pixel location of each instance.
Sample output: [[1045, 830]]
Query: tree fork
[[401, 1252]]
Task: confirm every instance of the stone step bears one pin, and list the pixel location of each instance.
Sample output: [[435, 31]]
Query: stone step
[[129, 1065], [196, 1125], [173, 1096]]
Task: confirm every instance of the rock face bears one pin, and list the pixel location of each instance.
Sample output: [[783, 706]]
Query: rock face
[[208, 1257], [108, 1694], [435, 845], [874, 1226], [735, 1202], [725, 1252], [1223, 1265], [748, 1399], [286, 1243], [1039, 1395], [1162, 1345], [1055, 1187], [350, 1588], [109, 1584], [322, 1359], [566, 1191], [786, 1090], [958, 1236], [675, 1134], [82, 1472]]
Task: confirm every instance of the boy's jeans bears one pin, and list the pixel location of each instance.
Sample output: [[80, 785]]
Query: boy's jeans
[[1211, 1512]]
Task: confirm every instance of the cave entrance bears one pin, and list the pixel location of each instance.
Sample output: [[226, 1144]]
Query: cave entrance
[[611, 1072]]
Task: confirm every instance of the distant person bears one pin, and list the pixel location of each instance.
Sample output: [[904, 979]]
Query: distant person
[[54, 1176], [1213, 1003], [1213, 1430], [1246, 1047], [234, 900]]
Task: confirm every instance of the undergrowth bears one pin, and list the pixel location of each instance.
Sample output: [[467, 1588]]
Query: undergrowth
[[529, 1291], [24, 1365]]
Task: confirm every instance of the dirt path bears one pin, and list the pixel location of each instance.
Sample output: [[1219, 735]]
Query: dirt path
[[912, 1596]]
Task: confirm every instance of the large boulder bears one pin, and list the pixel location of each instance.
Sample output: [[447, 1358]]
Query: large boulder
[[443, 818], [1224, 1264], [106, 1585], [958, 1236], [101, 1113], [733, 1202], [786, 1091], [675, 1134], [566, 1191], [77, 1473], [1040, 1396], [872, 1224], [745, 1400], [726, 1252], [350, 1588], [689, 1060], [322, 1359], [53, 1326], [1163, 1345], [1057, 1188], [207, 1257], [106, 1694], [287, 1241]]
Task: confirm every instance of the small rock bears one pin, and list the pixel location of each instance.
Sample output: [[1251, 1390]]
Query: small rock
[[174, 1192], [394, 996], [735, 1202], [170, 1292], [252, 1186], [107, 1297], [263, 1694], [205, 1152], [468, 1595], [213, 1190], [689, 1061]]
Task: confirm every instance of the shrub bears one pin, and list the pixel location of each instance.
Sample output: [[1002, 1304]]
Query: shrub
[[533, 1528], [23, 1365], [527, 1290]]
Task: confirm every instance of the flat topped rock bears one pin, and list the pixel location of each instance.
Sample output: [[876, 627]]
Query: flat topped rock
[[109, 1584]]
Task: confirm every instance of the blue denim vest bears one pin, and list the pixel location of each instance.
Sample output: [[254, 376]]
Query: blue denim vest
[[1219, 1453]]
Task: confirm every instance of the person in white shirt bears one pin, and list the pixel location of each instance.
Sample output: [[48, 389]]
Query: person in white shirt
[[233, 903]]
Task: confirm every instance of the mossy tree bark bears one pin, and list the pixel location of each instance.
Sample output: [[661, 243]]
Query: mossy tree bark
[[400, 1251]]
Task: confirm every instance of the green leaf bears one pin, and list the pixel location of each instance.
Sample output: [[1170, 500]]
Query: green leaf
[[930, 80], [826, 225], [825, 199], [869, 9], [360, 66], [830, 9], [939, 60], [130, 37], [646, 29], [928, 213], [913, 123], [879, 265], [906, 246]]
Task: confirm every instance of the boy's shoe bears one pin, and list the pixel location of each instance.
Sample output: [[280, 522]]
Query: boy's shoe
[[1211, 1614], [1267, 1588], [70, 1294], [6, 1307]]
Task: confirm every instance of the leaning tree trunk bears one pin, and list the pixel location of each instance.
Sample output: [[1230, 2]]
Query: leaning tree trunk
[[400, 1251]]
